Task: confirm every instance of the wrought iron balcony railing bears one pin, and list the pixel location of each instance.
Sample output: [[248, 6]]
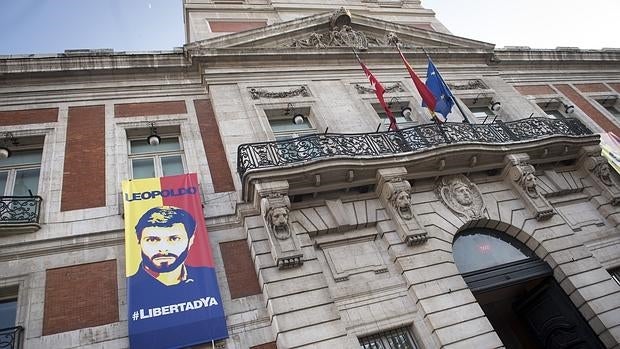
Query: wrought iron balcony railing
[[315, 147], [10, 338], [20, 209]]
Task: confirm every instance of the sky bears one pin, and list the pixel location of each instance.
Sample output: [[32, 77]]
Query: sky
[[52, 26]]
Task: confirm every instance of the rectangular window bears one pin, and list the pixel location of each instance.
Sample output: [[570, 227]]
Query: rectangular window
[[611, 105], [401, 111], [287, 123], [8, 307], [399, 338], [482, 115], [19, 174], [164, 159]]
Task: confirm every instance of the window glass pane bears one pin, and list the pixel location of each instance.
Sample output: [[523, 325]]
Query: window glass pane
[[478, 251], [554, 114], [22, 157], [172, 165], [3, 178], [8, 311], [283, 125], [26, 182], [397, 115], [140, 146], [142, 168]]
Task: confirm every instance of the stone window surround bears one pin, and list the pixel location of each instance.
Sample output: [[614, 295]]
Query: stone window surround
[[18, 282], [595, 98], [539, 102], [315, 117]]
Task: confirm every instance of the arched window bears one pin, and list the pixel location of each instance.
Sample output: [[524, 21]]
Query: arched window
[[487, 259], [478, 249]]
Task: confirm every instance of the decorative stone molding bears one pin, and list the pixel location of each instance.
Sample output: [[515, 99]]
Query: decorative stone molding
[[469, 85], [395, 194], [396, 87], [275, 208], [522, 177], [461, 196], [340, 18], [601, 173], [300, 91], [343, 36]]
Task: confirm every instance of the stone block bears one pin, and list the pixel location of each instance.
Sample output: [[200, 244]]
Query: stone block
[[446, 301], [300, 284], [305, 317], [299, 301], [311, 335], [464, 330], [487, 340], [453, 316], [444, 285]]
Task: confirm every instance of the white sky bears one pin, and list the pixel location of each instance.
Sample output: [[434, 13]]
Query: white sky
[[591, 24]]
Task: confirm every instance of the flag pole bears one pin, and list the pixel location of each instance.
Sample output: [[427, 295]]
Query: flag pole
[[465, 120]]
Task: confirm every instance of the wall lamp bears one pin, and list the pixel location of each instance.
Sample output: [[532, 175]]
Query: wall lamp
[[153, 138], [568, 109], [404, 110], [495, 106], [5, 151], [298, 118]]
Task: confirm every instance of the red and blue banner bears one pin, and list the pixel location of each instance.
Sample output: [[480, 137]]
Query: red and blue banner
[[172, 292]]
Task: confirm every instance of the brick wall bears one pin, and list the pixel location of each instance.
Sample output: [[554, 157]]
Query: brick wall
[[214, 148], [270, 345], [534, 90], [588, 108], [616, 87], [240, 274], [591, 87], [80, 296], [150, 108], [25, 117], [234, 26], [83, 184]]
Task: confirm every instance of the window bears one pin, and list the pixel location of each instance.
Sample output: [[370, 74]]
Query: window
[[611, 105], [554, 108], [148, 161], [8, 307], [290, 122], [399, 338], [479, 249], [615, 274], [482, 115], [19, 174], [400, 110]]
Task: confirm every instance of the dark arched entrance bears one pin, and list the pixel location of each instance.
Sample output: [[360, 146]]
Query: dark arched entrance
[[518, 294]]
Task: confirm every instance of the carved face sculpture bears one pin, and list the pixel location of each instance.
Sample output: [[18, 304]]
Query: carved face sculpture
[[402, 202], [279, 222], [529, 181], [463, 194]]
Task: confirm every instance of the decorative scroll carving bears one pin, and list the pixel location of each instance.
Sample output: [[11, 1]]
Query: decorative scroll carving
[[275, 207], [395, 194], [602, 176], [523, 179], [301, 91], [340, 18], [462, 196], [469, 85], [396, 87], [343, 36]]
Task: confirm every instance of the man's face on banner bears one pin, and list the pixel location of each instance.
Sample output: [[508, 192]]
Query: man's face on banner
[[164, 248]]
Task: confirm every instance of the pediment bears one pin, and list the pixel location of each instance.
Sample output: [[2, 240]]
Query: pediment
[[336, 29]]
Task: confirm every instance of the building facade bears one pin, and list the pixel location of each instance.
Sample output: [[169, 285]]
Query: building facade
[[496, 229]]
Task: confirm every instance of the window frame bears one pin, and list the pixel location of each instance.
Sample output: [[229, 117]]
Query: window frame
[[12, 170], [156, 156], [396, 108], [383, 339], [283, 113]]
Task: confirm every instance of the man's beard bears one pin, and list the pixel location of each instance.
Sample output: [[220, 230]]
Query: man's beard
[[165, 267]]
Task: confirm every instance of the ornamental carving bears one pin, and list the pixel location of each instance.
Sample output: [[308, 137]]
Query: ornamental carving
[[343, 36], [277, 216], [301, 91], [469, 85], [462, 196], [603, 177], [400, 198], [523, 179], [397, 87]]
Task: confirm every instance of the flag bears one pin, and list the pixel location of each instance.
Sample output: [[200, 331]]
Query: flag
[[379, 91], [443, 96], [428, 99]]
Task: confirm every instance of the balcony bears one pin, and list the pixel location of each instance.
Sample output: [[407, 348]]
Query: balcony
[[10, 338], [361, 150], [19, 214]]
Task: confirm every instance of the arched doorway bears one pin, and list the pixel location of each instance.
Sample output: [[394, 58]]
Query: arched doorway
[[518, 293]]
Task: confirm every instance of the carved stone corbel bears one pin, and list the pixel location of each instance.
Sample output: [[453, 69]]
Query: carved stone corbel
[[275, 209], [602, 174], [522, 178], [395, 194]]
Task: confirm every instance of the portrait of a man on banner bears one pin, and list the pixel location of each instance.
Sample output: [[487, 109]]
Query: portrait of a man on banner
[[172, 292]]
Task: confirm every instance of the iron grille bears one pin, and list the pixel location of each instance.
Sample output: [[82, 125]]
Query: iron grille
[[10, 338], [20, 209], [399, 338]]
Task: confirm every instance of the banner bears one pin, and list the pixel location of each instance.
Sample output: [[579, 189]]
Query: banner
[[172, 293]]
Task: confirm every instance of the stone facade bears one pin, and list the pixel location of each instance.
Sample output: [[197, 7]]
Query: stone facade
[[315, 250]]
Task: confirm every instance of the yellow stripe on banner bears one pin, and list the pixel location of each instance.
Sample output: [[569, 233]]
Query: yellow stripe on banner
[[133, 211]]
